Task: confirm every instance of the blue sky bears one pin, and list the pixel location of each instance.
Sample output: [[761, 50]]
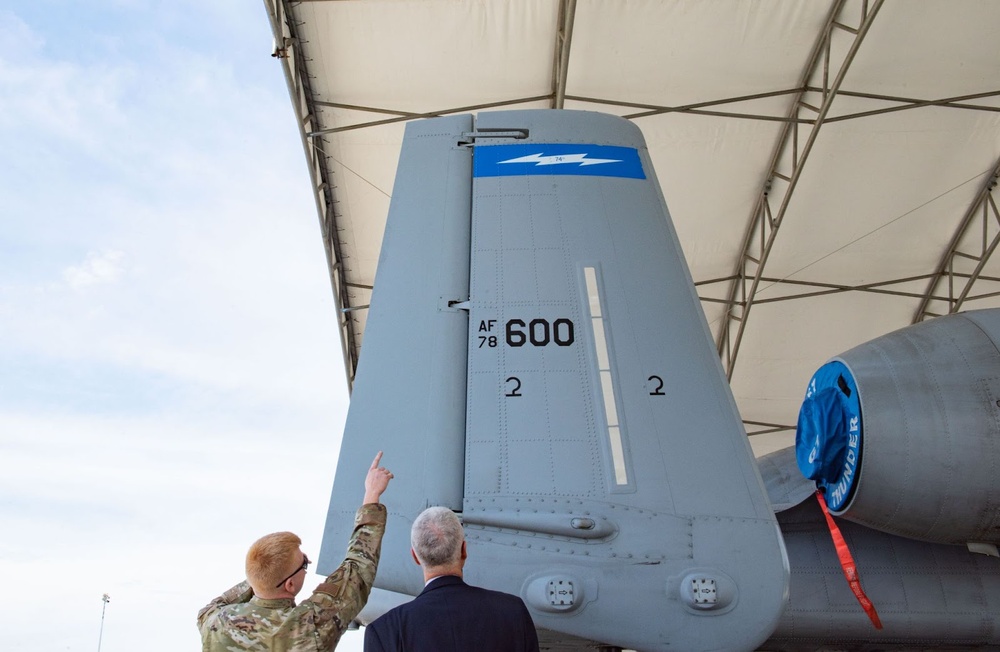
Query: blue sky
[[171, 383]]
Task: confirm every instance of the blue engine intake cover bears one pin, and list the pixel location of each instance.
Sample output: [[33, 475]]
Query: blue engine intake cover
[[828, 435]]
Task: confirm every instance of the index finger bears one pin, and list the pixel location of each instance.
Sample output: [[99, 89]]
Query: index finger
[[378, 456]]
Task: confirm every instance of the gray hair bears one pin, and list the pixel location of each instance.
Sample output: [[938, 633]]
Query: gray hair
[[436, 537]]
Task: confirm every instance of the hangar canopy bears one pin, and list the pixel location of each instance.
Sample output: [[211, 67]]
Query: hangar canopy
[[829, 166]]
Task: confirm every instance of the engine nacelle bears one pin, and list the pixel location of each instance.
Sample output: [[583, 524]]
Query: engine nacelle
[[903, 432]]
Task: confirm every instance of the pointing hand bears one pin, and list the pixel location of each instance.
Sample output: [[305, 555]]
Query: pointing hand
[[376, 481]]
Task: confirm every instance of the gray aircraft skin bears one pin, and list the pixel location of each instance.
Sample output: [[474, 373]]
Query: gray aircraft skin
[[536, 359]]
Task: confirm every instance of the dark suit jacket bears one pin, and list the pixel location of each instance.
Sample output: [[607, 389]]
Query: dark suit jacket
[[451, 616]]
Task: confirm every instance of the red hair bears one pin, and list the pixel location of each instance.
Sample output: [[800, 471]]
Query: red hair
[[271, 558]]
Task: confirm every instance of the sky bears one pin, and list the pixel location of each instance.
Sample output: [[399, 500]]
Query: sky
[[171, 381]]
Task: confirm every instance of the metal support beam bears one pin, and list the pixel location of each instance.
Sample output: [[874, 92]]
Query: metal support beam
[[968, 251], [906, 103], [766, 428], [289, 53], [706, 108], [780, 180], [876, 287], [406, 117], [560, 65], [698, 108]]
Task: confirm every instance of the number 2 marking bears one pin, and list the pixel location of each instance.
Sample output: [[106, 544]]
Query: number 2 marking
[[659, 388], [517, 387]]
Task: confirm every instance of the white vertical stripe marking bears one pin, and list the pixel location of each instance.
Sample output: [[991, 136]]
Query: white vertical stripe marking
[[604, 373]]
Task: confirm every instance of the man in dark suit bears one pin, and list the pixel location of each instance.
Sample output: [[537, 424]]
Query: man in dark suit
[[449, 615]]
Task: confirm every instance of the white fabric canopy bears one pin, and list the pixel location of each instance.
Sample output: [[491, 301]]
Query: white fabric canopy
[[828, 165]]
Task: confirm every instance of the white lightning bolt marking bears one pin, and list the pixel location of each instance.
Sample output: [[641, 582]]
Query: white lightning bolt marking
[[561, 159]]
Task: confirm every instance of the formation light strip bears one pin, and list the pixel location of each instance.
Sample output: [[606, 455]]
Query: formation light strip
[[604, 372]]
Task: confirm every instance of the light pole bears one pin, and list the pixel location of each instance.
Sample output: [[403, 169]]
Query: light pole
[[105, 599]]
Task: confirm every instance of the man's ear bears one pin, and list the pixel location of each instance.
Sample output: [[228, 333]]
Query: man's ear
[[465, 555], [414, 555]]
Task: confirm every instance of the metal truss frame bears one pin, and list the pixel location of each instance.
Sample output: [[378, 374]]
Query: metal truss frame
[[560, 64], [811, 101], [822, 289], [558, 97], [974, 242], [951, 284], [785, 168], [764, 428], [287, 49], [703, 108]]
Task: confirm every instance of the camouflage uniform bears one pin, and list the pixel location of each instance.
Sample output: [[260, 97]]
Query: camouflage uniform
[[237, 620]]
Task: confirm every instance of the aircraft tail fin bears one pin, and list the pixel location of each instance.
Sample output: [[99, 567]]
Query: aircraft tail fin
[[536, 357]]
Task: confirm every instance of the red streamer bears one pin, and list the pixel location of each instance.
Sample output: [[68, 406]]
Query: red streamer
[[847, 563]]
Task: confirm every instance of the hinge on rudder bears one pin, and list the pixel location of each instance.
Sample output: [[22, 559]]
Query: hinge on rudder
[[469, 138]]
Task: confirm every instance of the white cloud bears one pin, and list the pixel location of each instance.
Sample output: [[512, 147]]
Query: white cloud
[[187, 159], [158, 512], [97, 268], [61, 99], [171, 385]]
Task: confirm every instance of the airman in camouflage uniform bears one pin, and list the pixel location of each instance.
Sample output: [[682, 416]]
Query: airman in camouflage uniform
[[268, 619]]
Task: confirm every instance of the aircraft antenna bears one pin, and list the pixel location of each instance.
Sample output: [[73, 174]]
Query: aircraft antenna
[[105, 599]]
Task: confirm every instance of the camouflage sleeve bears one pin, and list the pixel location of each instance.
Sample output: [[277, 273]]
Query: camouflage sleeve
[[341, 597], [239, 593]]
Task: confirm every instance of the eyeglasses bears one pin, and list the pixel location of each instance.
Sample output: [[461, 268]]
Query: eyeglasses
[[304, 566]]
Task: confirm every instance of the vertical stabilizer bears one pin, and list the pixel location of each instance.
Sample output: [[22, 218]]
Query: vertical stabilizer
[[543, 365]]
